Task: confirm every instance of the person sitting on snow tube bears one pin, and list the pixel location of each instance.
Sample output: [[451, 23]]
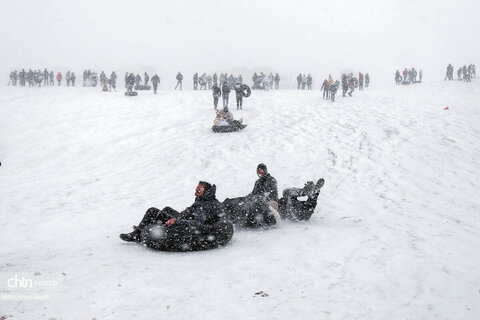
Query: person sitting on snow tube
[[201, 226], [224, 122], [261, 208], [255, 209]]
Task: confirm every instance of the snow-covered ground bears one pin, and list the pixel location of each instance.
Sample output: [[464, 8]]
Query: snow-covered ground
[[396, 233]]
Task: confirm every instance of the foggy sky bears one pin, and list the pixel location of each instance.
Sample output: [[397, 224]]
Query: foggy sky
[[286, 36]]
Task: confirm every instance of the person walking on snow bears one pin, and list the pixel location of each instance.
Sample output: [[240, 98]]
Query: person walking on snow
[[179, 78]]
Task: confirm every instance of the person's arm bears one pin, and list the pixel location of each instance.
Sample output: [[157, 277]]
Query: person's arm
[[197, 216], [273, 190]]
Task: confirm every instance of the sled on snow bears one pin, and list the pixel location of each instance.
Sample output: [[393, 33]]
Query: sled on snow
[[230, 128], [142, 87]]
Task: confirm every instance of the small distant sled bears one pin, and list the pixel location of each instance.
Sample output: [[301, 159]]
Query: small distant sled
[[231, 128], [246, 91], [142, 87], [184, 238], [131, 93]]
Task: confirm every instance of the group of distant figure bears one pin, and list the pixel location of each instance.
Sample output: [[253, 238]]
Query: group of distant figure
[[135, 82], [304, 81], [206, 82], [408, 76], [37, 78], [463, 73], [349, 83], [265, 82]]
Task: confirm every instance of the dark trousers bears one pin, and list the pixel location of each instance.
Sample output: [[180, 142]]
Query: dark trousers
[[225, 102], [215, 102], [290, 207], [155, 87], [154, 215], [239, 102]]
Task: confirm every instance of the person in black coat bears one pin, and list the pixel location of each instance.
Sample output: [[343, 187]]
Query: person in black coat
[[239, 95], [179, 78], [299, 81], [253, 210], [217, 93], [155, 82], [205, 210], [195, 81], [344, 84], [225, 94]]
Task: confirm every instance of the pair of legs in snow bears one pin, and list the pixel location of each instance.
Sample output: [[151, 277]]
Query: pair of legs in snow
[[152, 216], [255, 212], [239, 102]]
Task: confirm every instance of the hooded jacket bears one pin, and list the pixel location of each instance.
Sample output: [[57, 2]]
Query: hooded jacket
[[266, 186], [205, 210]]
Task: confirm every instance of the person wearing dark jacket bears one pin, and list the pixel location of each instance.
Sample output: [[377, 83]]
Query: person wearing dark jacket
[[277, 81], [155, 82], [225, 94], [179, 78], [266, 185], [217, 93], [344, 84], [195, 81], [333, 90], [239, 95], [253, 210], [205, 210], [146, 77]]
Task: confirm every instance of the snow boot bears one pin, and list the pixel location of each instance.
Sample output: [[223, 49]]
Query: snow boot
[[319, 185], [133, 236], [311, 190], [308, 189]]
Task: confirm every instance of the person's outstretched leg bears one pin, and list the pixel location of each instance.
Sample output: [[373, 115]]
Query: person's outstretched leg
[[304, 209], [153, 215]]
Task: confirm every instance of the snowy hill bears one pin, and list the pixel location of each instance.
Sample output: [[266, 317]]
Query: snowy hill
[[395, 235]]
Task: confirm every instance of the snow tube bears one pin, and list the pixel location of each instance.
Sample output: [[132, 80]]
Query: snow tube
[[230, 128], [142, 87], [131, 94], [246, 91], [185, 238]]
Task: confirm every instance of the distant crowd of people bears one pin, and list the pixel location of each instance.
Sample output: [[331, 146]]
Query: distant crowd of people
[[135, 82], [408, 76], [207, 81], [463, 73], [262, 81], [37, 78], [304, 81]]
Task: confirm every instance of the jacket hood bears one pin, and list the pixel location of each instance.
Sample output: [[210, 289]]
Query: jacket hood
[[209, 193]]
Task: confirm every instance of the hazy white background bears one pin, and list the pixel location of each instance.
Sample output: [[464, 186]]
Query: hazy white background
[[288, 36]]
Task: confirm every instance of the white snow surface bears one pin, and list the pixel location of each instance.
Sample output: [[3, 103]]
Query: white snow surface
[[395, 235]]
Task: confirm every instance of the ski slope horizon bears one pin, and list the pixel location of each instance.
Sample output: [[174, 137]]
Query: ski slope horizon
[[395, 234]]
